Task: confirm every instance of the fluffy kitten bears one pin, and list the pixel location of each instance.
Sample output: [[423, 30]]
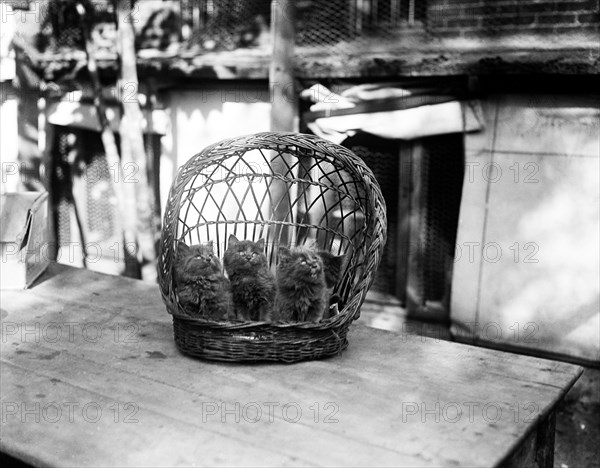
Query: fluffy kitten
[[252, 283], [334, 266], [305, 277], [202, 288]]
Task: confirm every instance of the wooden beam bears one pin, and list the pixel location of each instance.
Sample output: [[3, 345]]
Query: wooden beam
[[133, 154], [415, 300], [125, 210], [404, 225], [284, 102], [284, 109]]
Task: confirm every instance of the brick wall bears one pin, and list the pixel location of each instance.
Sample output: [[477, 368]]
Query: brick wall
[[496, 17]]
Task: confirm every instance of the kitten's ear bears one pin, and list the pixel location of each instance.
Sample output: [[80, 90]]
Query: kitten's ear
[[261, 244], [232, 240], [334, 265], [182, 249]]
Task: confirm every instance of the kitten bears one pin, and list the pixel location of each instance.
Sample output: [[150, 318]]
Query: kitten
[[202, 288], [305, 278], [334, 266], [252, 283]]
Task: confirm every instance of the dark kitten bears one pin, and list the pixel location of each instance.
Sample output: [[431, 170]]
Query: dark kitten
[[252, 283], [202, 288], [305, 277], [334, 266]]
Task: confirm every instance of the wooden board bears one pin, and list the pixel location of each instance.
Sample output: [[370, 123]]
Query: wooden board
[[128, 397], [405, 194], [392, 60]]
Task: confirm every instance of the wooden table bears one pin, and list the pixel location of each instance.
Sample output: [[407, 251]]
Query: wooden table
[[91, 377]]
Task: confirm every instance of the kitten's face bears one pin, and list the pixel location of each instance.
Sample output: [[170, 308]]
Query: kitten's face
[[302, 262], [198, 259], [244, 254]]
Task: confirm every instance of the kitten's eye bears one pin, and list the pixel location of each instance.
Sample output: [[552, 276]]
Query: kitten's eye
[[303, 262], [254, 254]]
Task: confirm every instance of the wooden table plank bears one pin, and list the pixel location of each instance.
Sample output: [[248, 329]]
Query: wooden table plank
[[390, 399]]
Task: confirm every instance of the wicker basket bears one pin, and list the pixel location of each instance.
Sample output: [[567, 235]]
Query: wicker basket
[[287, 188]]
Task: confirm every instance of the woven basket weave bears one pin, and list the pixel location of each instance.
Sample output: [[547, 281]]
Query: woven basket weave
[[287, 188]]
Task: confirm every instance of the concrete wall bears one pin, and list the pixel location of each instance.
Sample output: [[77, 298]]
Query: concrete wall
[[527, 262]]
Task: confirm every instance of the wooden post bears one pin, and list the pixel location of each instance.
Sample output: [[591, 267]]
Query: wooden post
[[284, 110], [284, 105], [411, 12], [395, 12], [138, 191], [125, 210], [415, 292], [404, 219]]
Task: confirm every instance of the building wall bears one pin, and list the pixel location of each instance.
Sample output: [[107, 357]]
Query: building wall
[[483, 17], [526, 266], [9, 166], [10, 173]]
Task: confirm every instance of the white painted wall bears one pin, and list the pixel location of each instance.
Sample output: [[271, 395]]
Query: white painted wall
[[8, 105]]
